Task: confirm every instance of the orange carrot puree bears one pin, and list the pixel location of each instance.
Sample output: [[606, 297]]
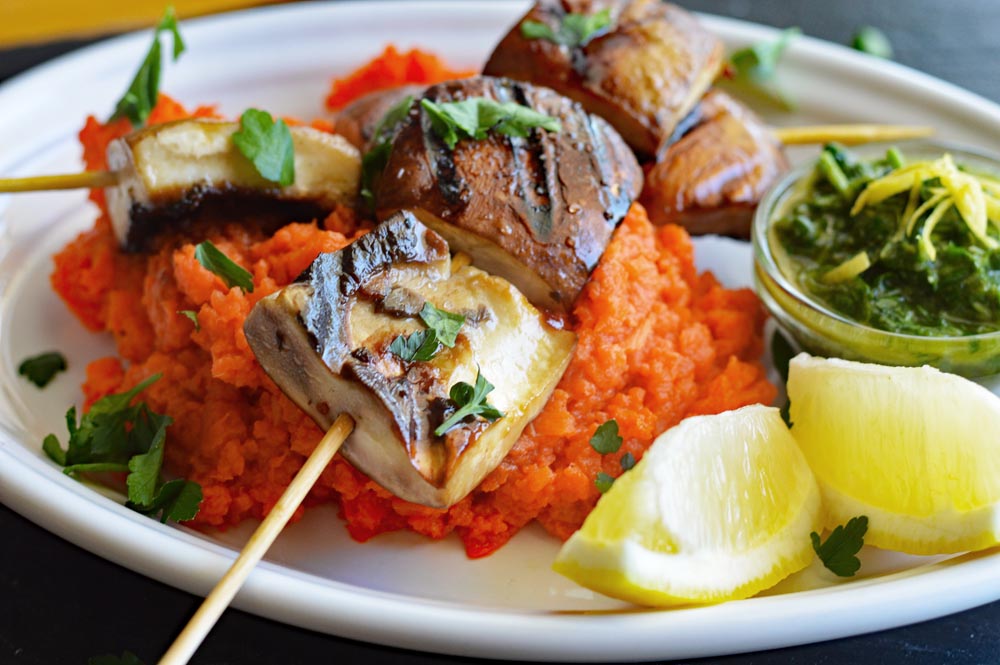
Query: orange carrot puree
[[657, 342], [391, 69]]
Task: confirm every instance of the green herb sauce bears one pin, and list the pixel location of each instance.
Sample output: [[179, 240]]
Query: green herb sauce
[[945, 282]]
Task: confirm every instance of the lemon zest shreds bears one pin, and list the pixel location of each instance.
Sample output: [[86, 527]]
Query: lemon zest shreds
[[849, 269], [926, 207], [926, 246], [970, 194]]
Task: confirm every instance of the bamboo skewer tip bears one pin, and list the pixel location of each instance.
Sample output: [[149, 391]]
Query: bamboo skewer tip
[[198, 627]]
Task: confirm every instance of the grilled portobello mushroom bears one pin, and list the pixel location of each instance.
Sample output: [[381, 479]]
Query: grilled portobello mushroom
[[328, 340], [537, 210], [713, 177], [358, 121], [643, 73]]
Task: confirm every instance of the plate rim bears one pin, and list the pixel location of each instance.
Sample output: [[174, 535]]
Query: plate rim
[[273, 588]]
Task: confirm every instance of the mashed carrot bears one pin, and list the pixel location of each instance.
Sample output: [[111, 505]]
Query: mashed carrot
[[391, 69], [656, 342]]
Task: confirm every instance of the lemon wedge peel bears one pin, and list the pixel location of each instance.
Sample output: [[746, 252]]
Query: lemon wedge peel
[[720, 508], [913, 448]]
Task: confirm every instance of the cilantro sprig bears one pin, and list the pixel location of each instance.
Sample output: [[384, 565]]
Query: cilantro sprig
[[423, 345], [574, 31], [374, 161], [841, 546], [212, 259], [470, 401], [475, 117], [118, 436], [140, 97], [755, 69], [41, 369], [268, 144]]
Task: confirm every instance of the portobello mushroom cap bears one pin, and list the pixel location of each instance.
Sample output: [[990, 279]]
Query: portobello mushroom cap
[[358, 121], [538, 211], [712, 178], [643, 75], [325, 341]]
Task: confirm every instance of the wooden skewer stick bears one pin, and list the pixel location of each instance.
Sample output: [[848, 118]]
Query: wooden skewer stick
[[216, 602], [846, 134], [849, 134], [41, 183]]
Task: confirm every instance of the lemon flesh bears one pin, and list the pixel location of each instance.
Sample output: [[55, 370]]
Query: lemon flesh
[[915, 449], [720, 507]]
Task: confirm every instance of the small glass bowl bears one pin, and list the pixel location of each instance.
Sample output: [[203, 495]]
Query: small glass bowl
[[824, 332]]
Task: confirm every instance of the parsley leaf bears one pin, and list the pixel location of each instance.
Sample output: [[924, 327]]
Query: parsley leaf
[[627, 461], [176, 500], [604, 482], [575, 30], [127, 658], [116, 435], [423, 345], [420, 346], [140, 98], [605, 439], [268, 144], [444, 324], [212, 259], [193, 316], [756, 67], [872, 41], [471, 401], [374, 161], [474, 117], [41, 369], [837, 553]]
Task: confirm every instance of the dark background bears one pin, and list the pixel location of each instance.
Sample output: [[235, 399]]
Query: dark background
[[60, 604]]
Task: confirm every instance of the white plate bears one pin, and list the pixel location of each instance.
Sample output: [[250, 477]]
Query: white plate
[[399, 589]]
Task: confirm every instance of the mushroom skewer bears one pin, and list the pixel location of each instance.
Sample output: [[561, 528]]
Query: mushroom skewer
[[164, 177], [222, 594]]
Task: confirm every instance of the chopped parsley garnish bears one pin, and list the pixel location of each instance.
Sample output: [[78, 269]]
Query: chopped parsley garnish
[[192, 315], [755, 68], [604, 482], [841, 546], [470, 401], [423, 345], [474, 118], [41, 369], [420, 346], [118, 436], [212, 259], [127, 658], [575, 30], [140, 98], [627, 461], [444, 324], [872, 41], [606, 439], [374, 161], [268, 144]]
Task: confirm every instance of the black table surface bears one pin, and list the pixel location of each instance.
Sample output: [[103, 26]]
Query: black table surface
[[61, 604]]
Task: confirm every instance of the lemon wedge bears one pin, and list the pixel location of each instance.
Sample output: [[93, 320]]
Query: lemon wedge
[[720, 507], [913, 448]]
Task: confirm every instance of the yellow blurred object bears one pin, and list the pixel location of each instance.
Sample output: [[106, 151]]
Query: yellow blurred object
[[30, 21]]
